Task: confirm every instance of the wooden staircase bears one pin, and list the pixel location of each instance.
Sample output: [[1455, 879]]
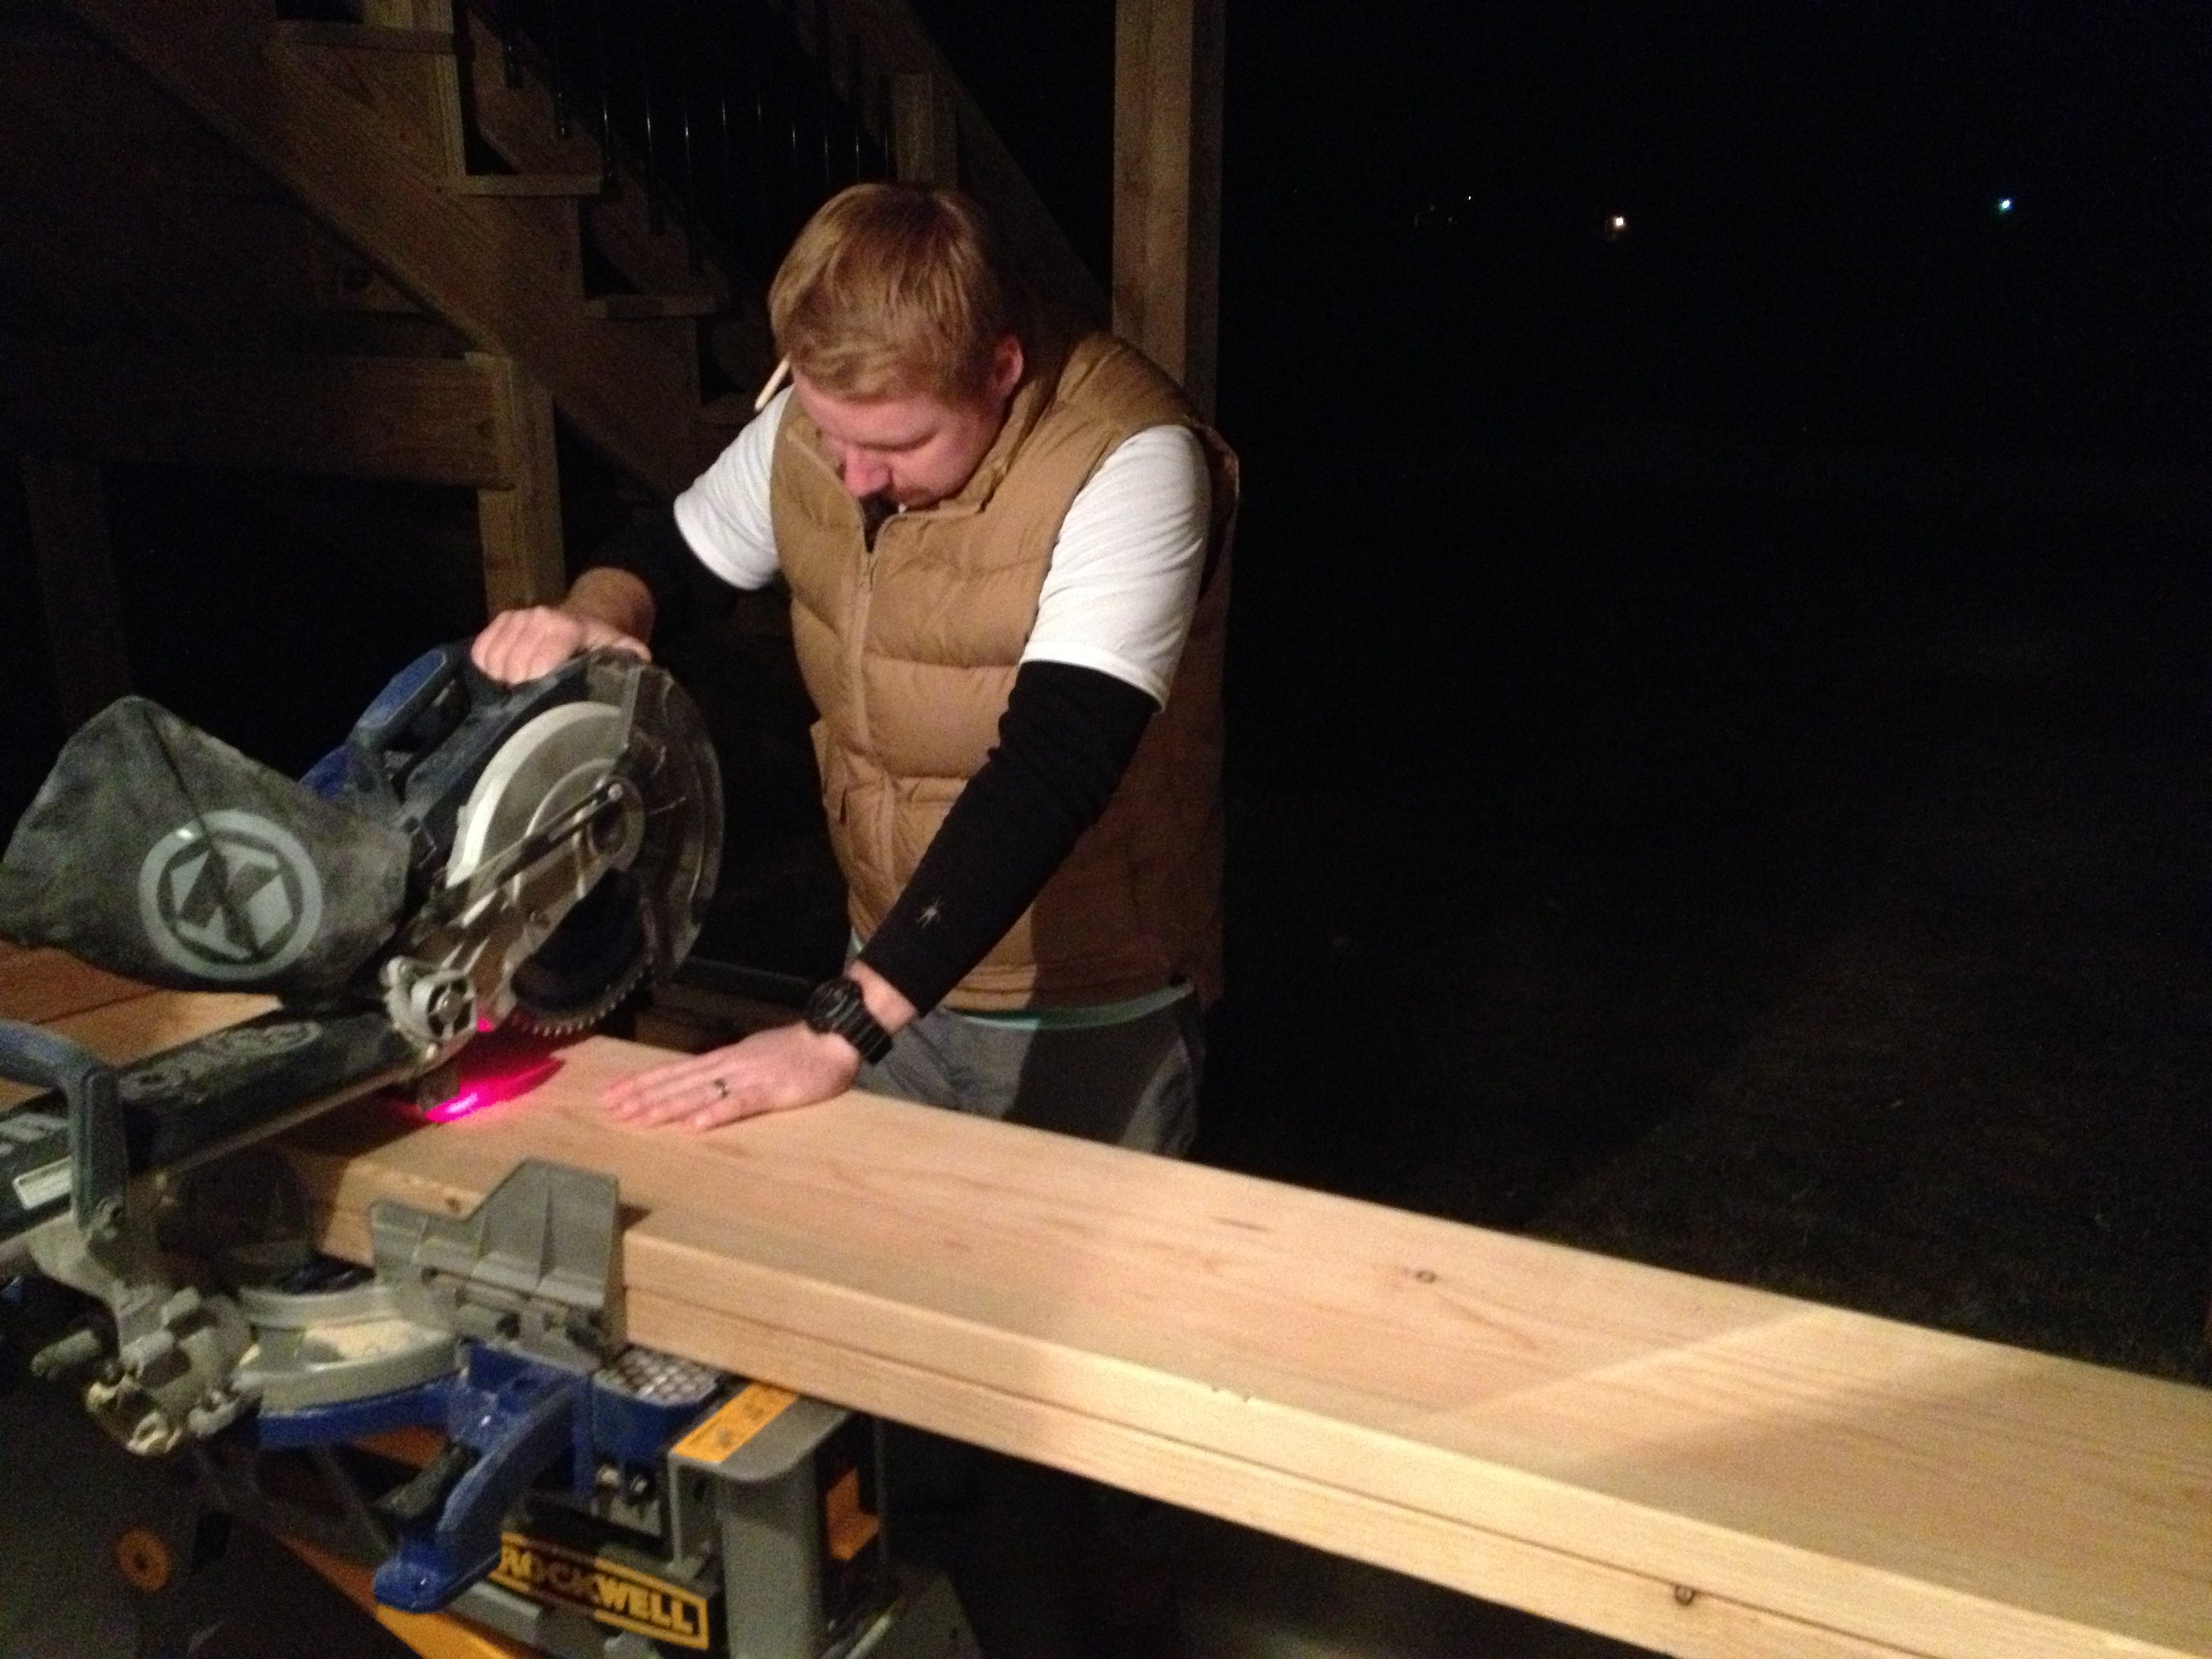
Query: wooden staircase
[[364, 249]]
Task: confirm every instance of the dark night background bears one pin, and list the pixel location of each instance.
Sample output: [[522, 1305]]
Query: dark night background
[[1718, 711]]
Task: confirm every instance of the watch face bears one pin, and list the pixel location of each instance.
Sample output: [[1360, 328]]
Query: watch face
[[833, 999], [838, 1009]]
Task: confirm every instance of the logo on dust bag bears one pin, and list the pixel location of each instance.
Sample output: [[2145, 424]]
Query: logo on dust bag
[[229, 896]]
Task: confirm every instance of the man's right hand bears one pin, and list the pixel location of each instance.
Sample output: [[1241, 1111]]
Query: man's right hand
[[520, 645]]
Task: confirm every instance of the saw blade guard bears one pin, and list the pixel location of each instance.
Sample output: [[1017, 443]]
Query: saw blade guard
[[630, 753], [642, 918]]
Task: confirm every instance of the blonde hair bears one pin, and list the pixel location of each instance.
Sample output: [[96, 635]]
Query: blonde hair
[[892, 290]]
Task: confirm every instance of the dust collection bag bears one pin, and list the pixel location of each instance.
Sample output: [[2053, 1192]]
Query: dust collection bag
[[160, 853]]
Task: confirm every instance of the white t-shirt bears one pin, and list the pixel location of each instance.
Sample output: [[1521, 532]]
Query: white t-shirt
[[1123, 580]]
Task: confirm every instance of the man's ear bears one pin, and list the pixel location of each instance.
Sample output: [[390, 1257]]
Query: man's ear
[[1008, 363]]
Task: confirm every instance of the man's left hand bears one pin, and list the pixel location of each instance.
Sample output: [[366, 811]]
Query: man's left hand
[[772, 1071]]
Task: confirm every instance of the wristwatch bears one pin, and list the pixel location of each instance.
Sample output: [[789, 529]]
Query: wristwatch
[[838, 1008]]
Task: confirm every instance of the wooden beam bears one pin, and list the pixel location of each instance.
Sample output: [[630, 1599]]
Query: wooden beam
[[1708, 1471], [1168, 67], [925, 132], [521, 526], [68, 510], [429, 420]]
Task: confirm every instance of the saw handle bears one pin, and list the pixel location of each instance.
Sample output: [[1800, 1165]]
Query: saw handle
[[419, 709], [100, 1163], [411, 694]]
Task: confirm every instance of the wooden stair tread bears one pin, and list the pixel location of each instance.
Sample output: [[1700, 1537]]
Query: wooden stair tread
[[366, 37], [523, 184], [623, 308]]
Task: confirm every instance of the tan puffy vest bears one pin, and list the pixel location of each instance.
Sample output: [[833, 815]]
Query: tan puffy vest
[[909, 653]]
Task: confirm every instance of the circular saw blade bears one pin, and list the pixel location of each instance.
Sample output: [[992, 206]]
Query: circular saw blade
[[639, 920], [593, 960]]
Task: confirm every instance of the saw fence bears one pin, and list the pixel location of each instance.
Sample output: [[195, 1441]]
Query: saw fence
[[1697, 1468]]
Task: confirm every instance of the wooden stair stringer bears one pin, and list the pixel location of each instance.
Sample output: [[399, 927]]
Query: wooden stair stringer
[[503, 269], [517, 121]]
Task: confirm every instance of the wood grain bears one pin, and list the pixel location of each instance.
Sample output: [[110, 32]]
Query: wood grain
[[40, 985], [520, 528], [1168, 69]]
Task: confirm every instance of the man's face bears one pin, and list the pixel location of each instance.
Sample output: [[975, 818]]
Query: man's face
[[915, 450]]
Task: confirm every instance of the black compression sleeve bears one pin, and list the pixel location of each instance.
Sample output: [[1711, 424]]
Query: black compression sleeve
[[653, 549], [1064, 742]]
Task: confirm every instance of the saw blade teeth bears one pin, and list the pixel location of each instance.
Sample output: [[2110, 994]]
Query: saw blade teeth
[[568, 1022]]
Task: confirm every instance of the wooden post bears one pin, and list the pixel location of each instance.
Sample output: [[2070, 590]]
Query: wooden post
[[446, 118], [520, 526], [925, 132], [76, 584], [1167, 185]]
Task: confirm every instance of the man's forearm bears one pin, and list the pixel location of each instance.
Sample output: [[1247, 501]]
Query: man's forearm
[[1066, 738], [616, 597]]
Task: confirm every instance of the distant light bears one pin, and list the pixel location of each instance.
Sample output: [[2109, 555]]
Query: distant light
[[1616, 226], [2004, 204]]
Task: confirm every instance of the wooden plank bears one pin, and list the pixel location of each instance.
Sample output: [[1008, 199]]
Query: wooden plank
[[1167, 186], [520, 528], [522, 184], [1698, 1468], [368, 37], [427, 419], [40, 986], [68, 511]]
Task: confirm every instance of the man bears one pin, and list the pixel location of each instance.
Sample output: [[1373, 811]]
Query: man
[[1006, 555]]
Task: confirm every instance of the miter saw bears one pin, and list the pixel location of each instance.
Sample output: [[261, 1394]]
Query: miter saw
[[473, 855]]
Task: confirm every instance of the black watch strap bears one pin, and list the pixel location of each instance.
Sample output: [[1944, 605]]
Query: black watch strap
[[838, 1008]]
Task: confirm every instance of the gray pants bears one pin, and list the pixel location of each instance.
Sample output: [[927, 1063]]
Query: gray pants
[[1133, 1085]]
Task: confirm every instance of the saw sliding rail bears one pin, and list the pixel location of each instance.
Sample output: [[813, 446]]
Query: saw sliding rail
[[172, 1111]]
